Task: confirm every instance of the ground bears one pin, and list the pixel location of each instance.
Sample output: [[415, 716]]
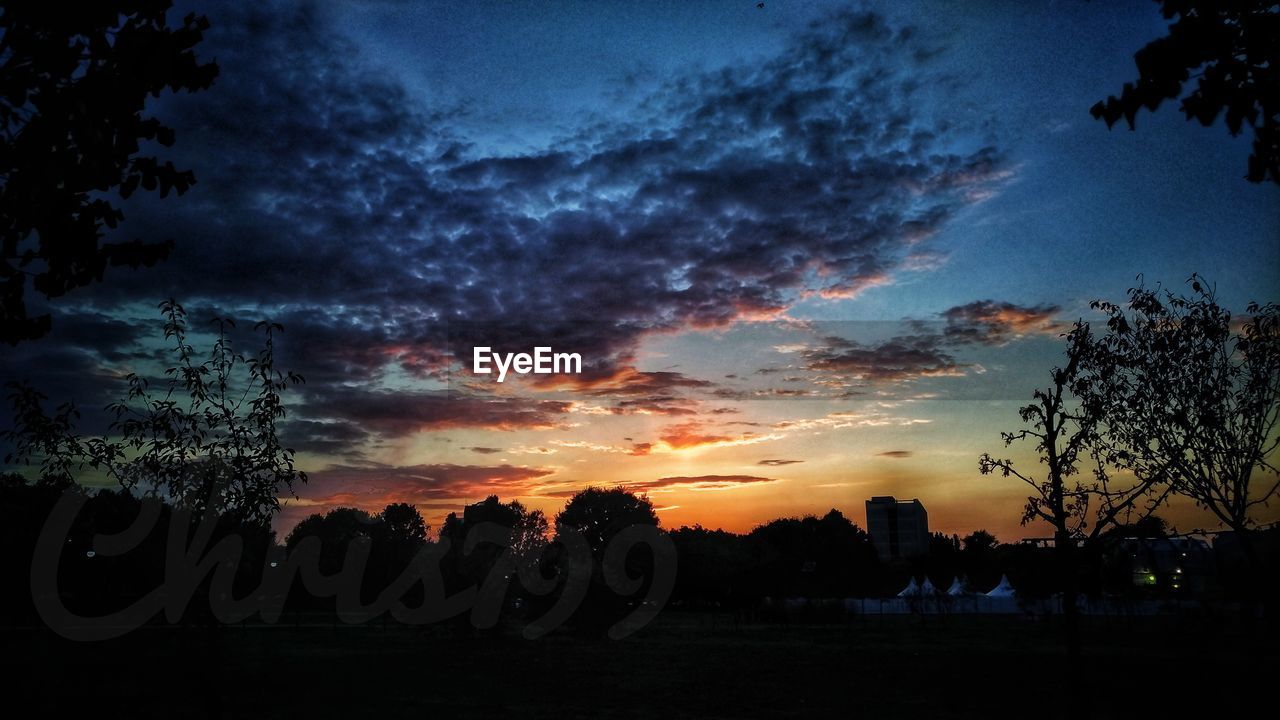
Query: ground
[[685, 665]]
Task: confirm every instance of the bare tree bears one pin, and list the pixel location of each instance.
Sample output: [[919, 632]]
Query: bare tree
[[1190, 396], [1064, 429]]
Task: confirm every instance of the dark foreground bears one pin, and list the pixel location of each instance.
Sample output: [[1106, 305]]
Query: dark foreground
[[682, 666]]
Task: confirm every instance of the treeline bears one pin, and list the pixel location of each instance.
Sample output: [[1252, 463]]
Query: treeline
[[491, 562], [511, 564]]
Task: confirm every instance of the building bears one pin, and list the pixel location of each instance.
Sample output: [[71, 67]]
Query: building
[[898, 528]]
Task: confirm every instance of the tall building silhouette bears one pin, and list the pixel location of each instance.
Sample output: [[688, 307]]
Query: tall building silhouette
[[898, 528]]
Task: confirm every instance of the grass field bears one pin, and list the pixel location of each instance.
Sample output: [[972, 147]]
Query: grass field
[[684, 665]]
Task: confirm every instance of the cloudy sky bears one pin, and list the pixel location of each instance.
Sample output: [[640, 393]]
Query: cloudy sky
[[809, 253]]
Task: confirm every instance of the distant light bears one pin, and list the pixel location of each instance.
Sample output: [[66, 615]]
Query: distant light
[[275, 564], [90, 554], [1151, 578]]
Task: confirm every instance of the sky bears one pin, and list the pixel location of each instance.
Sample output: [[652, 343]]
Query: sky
[[809, 253]]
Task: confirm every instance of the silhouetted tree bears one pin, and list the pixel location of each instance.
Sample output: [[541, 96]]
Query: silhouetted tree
[[528, 528], [74, 82], [1190, 396], [1232, 49], [941, 563], [516, 550], [712, 567], [24, 506], [394, 537], [404, 524], [979, 559], [979, 541], [1065, 432], [813, 557], [94, 583], [525, 541], [1151, 526], [336, 531], [599, 515], [208, 441]]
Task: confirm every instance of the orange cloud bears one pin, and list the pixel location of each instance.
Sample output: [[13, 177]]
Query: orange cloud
[[692, 435]]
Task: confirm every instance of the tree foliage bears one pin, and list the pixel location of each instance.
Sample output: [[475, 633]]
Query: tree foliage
[[599, 514], [405, 525], [526, 540], [826, 556], [74, 83], [207, 440], [1190, 396], [1064, 427], [1232, 50], [979, 541], [391, 539]]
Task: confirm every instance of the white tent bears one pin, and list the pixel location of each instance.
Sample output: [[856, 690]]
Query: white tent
[[959, 586], [927, 588], [1004, 589], [911, 589]]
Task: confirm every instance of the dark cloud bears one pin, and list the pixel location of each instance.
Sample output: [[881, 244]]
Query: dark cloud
[[658, 405], [631, 392], [333, 201], [398, 413], [84, 360], [705, 482], [895, 454], [669, 405], [992, 323], [682, 482], [737, 188], [420, 482], [838, 361], [484, 450], [328, 437], [626, 381], [63, 373], [112, 338], [896, 359], [778, 463]]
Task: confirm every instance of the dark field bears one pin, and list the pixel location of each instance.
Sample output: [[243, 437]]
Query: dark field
[[683, 665]]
